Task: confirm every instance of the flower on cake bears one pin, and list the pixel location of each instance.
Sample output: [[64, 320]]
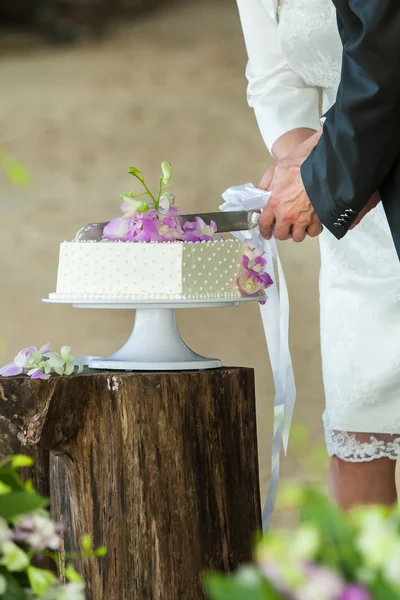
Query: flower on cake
[[40, 364], [154, 228], [199, 231], [253, 279], [117, 229], [155, 219], [131, 205], [166, 203]]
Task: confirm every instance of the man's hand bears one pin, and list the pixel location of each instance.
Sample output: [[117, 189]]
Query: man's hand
[[373, 203], [289, 212]]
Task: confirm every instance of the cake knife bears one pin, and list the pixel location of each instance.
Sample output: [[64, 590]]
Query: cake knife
[[226, 222]]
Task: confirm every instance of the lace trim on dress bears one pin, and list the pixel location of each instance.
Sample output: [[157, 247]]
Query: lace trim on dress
[[362, 447]]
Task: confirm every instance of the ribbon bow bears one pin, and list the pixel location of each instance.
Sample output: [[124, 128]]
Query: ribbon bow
[[275, 318]]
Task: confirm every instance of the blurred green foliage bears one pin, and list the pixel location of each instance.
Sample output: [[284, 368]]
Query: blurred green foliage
[[14, 170]]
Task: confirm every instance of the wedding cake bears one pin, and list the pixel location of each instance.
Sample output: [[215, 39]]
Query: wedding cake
[[149, 254]]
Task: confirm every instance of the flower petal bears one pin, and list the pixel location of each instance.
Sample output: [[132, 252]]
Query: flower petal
[[213, 226], [69, 369], [265, 278], [166, 171], [23, 356], [245, 261], [190, 226], [190, 237], [65, 353], [10, 370], [55, 361], [116, 229], [40, 375], [44, 349]]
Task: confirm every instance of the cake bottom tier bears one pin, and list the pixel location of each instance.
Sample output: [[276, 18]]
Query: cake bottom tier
[[149, 271]]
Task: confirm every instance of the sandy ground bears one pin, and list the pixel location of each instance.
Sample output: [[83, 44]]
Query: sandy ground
[[168, 87]]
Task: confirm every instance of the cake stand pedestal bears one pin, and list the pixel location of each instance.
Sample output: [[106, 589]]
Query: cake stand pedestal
[[155, 343]]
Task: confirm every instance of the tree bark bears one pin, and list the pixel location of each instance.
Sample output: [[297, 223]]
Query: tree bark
[[162, 470]]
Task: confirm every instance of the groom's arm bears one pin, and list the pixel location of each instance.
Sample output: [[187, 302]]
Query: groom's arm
[[361, 133]]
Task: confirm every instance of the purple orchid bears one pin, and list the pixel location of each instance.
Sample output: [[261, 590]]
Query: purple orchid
[[170, 229], [199, 231], [355, 592], [254, 260], [252, 279], [319, 583], [148, 232], [117, 229], [165, 205], [23, 357], [249, 283], [10, 370], [206, 232], [38, 364], [38, 374]]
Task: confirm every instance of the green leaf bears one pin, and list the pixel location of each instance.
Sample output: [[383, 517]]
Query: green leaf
[[87, 543], [14, 590], [136, 173], [20, 460], [247, 584], [337, 533], [11, 478], [29, 486], [40, 580], [14, 558], [18, 174], [4, 489], [18, 503], [102, 551], [72, 575]]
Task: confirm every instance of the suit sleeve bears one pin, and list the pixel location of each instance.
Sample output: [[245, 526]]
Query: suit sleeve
[[281, 100], [361, 133]]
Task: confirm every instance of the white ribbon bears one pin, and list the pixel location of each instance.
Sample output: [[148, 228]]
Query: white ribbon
[[275, 318]]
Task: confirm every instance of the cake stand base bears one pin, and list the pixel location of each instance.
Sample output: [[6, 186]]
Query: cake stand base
[[155, 345]]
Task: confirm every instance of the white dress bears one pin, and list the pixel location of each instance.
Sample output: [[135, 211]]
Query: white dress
[[294, 48]]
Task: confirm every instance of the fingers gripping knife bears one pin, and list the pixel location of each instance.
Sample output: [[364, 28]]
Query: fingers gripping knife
[[225, 222]]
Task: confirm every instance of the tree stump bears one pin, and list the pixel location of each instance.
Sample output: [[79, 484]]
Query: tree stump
[[162, 470]]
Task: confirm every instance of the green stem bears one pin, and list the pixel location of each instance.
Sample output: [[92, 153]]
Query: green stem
[[160, 188], [139, 195], [147, 189]]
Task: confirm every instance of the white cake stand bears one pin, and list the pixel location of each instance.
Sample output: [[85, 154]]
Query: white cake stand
[[155, 343]]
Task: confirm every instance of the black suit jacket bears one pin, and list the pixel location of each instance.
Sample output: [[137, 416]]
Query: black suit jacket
[[359, 150]]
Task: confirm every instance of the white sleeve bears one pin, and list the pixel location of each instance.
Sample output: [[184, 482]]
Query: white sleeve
[[280, 98]]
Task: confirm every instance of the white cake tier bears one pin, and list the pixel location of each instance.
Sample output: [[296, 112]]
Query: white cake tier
[[153, 271]]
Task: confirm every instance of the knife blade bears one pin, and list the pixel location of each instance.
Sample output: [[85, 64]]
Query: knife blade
[[226, 222]]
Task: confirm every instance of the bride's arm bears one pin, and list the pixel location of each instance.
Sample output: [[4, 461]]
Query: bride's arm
[[290, 140], [286, 109]]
